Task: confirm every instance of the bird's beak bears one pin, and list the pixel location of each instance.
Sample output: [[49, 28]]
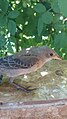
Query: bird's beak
[[57, 57]]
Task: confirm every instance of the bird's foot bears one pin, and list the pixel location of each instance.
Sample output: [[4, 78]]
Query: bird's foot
[[27, 89]]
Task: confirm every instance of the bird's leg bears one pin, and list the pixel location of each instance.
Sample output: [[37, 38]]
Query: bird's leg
[[21, 87], [1, 77]]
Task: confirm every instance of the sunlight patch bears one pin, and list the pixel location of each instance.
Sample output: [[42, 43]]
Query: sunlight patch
[[25, 76], [43, 73]]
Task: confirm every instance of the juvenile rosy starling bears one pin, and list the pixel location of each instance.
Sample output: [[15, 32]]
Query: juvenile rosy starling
[[25, 62]]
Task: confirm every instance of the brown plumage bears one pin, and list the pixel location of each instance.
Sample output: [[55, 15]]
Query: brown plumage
[[26, 61]]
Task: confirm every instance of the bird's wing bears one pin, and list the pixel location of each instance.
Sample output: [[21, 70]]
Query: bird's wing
[[11, 62]]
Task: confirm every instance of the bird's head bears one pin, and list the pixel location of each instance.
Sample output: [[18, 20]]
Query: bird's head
[[51, 54]]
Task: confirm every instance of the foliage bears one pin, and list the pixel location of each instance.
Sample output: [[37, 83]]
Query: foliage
[[25, 23]]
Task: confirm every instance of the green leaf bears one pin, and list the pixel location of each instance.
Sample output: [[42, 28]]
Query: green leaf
[[63, 6], [4, 5], [47, 18], [12, 27], [59, 26], [13, 14], [2, 42], [12, 39], [40, 8], [55, 6], [9, 46], [66, 25], [40, 26], [3, 20], [60, 40]]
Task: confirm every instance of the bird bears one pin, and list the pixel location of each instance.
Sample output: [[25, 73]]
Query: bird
[[24, 62]]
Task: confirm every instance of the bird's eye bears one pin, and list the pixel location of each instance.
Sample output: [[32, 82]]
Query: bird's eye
[[51, 54]]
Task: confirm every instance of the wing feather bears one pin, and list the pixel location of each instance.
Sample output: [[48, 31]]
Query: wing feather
[[11, 62]]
